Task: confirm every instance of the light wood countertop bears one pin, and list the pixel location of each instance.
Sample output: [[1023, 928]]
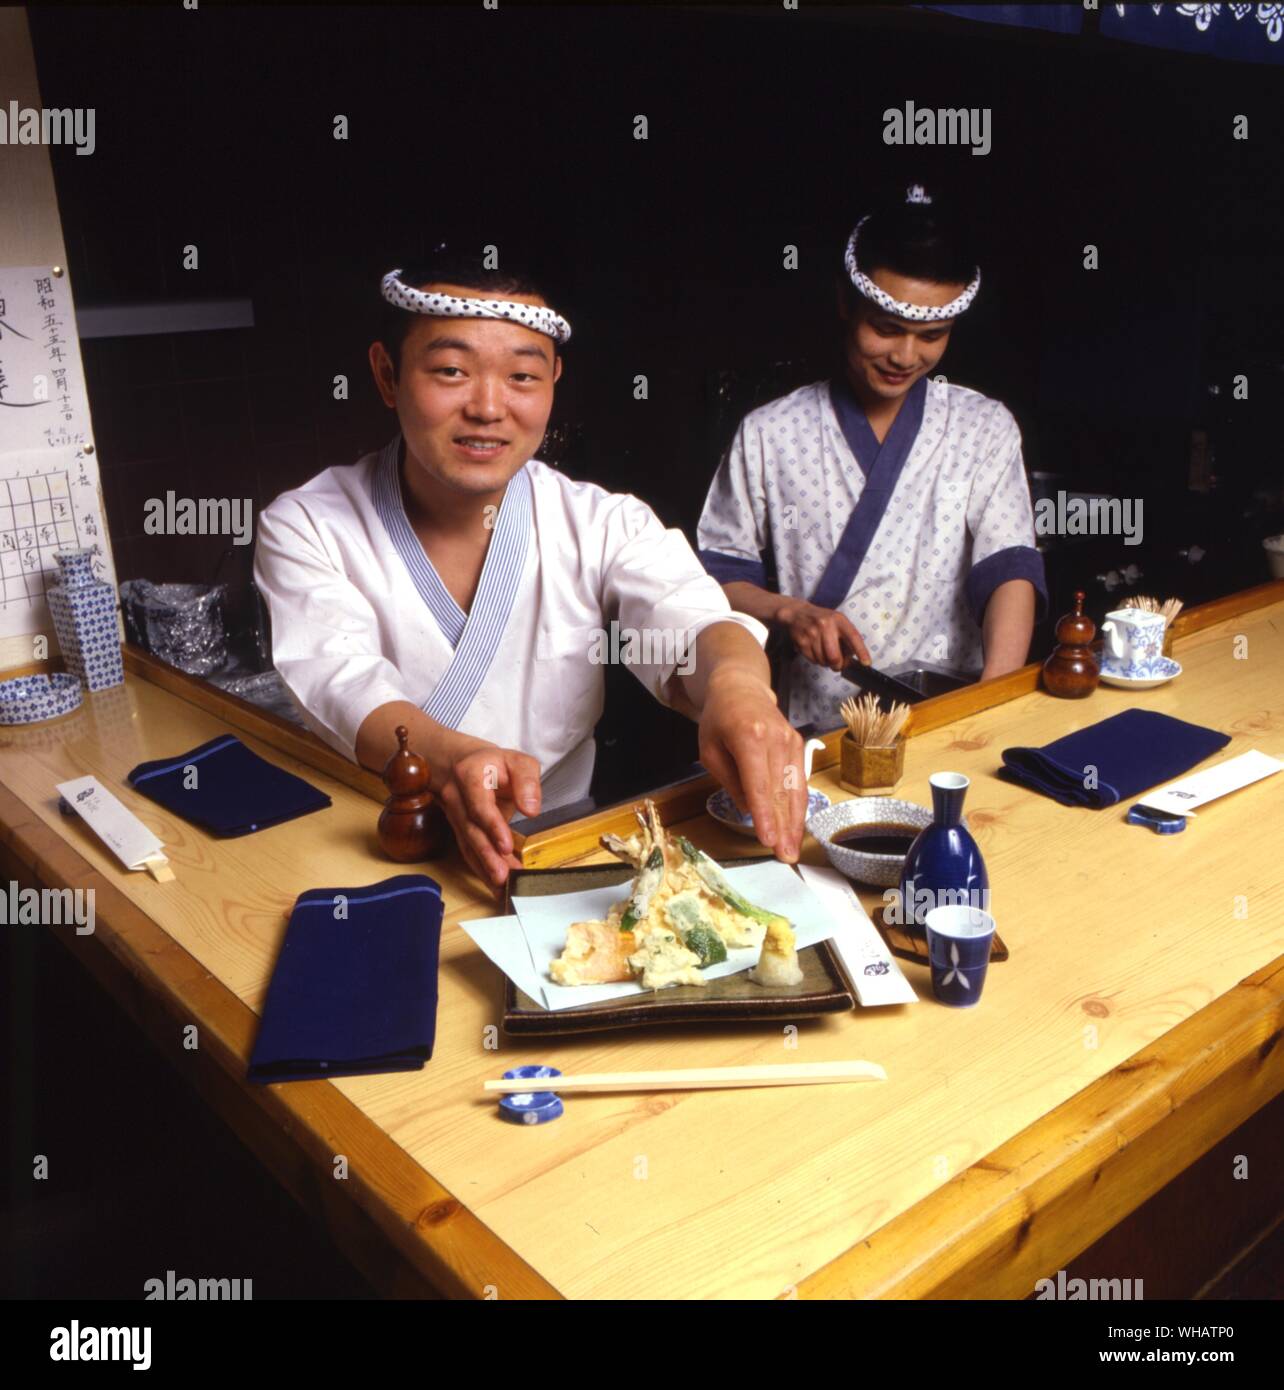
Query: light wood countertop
[[1146, 975]]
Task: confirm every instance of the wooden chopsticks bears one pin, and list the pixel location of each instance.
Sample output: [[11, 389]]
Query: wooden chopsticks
[[698, 1078]]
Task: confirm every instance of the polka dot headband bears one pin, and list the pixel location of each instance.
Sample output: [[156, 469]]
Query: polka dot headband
[[449, 306], [921, 313]]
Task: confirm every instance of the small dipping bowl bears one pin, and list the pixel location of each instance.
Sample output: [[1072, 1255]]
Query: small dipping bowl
[[881, 870], [721, 807], [530, 1107]]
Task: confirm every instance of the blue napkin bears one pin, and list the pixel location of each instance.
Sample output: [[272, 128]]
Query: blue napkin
[[230, 790], [1131, 752], [354, 989]]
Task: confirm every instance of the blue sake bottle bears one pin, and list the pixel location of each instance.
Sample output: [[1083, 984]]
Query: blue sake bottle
[[944, 864]]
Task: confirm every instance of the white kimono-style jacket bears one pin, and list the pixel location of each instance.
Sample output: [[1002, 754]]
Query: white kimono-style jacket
[[908, 538], [574, 576]]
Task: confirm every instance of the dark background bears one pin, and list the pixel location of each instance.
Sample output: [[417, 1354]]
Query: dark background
[[765, 129], [515, 127]]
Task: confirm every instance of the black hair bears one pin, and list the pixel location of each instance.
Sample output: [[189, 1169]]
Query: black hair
[[925, 241], [447, 265]]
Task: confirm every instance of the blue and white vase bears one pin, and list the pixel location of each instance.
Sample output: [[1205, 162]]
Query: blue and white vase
[[83, 608], [944, 864]]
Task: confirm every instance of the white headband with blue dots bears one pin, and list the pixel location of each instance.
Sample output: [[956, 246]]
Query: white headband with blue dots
[[920, 313], [450, 306]]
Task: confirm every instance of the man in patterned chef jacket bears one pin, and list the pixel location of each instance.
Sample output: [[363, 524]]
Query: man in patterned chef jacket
[[895, 507], [453, 583]]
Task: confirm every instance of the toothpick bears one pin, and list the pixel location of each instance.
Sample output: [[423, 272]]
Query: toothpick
[[1169, 608], [869, 725]]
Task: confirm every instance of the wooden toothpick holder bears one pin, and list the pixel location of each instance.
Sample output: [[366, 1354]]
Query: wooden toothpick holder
[[871, 771]]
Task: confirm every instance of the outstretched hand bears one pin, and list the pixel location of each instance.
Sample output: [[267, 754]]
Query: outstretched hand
[[479, 793], [751, 748]]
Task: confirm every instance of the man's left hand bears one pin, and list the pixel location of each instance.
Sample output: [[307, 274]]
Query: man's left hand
[[750, 747]]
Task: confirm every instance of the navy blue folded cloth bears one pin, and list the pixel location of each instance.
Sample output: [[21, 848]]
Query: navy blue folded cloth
[[354, 990], [226, 789], [1117, 758]]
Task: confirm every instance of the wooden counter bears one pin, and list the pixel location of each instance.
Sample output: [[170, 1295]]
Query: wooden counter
[[1136, 1023]]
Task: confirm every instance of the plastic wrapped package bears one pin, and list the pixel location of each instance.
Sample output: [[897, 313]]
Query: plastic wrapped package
[[265, 689], [182, 624]]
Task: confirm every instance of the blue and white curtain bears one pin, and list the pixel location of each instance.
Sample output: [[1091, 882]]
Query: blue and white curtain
[[1063, 19], [1243, 33]]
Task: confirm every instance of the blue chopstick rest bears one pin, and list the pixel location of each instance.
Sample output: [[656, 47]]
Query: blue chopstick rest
[[1130, 752], [1161, 822], [530, 1107], [354, 989], [229, 789]]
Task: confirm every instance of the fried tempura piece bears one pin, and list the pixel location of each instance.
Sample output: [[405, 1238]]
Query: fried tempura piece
[[678, 890], [596, 953]]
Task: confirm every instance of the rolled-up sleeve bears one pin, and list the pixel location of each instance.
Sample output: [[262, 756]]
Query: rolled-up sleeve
[[325, 634], [1000, 519], [732, 534], [659, 593]]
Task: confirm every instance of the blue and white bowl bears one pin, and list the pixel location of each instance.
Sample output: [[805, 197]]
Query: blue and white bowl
[[721, 807], [29, 699], [882, 870]]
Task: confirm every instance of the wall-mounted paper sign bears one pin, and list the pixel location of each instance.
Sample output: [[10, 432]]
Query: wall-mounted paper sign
[[42, 385], [49, 501]]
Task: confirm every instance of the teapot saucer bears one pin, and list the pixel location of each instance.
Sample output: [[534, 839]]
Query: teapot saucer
[[1168, 670]]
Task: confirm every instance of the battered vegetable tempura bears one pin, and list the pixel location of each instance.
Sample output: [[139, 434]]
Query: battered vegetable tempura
[[680, 916]]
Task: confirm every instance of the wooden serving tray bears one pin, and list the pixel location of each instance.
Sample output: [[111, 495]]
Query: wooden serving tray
[[732, 999]]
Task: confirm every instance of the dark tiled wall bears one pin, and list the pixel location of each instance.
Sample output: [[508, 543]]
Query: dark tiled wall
[[240, 413], [762, 133]]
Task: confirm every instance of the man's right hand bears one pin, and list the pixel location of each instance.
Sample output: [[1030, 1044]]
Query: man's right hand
[[478, 784], [479, 791], [822, 635]]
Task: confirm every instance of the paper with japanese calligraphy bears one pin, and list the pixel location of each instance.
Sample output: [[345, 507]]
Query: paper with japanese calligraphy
[[42, 387], [48, 502], [50, 498]]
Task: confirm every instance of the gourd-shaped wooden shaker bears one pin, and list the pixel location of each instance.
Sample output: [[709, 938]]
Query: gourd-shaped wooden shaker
[[1072, 671], [411, 824]]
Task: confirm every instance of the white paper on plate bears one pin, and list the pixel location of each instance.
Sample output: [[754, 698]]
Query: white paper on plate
[[857, 941], [504, 944], [539, 931]]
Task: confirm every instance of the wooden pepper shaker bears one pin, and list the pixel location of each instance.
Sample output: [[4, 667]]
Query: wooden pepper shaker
[[411, 824], [1071, 671]]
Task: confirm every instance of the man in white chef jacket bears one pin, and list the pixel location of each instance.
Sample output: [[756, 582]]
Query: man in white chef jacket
[[453, 583]]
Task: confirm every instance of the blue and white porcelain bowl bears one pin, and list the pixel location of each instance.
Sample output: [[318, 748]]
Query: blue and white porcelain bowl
[[28, 699], [881, 870], [721, 807]]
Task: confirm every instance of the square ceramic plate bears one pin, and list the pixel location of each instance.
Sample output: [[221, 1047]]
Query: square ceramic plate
[[732, 999]]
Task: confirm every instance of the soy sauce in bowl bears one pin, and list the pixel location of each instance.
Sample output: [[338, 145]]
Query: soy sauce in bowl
[[867, 838], [877, 839]]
